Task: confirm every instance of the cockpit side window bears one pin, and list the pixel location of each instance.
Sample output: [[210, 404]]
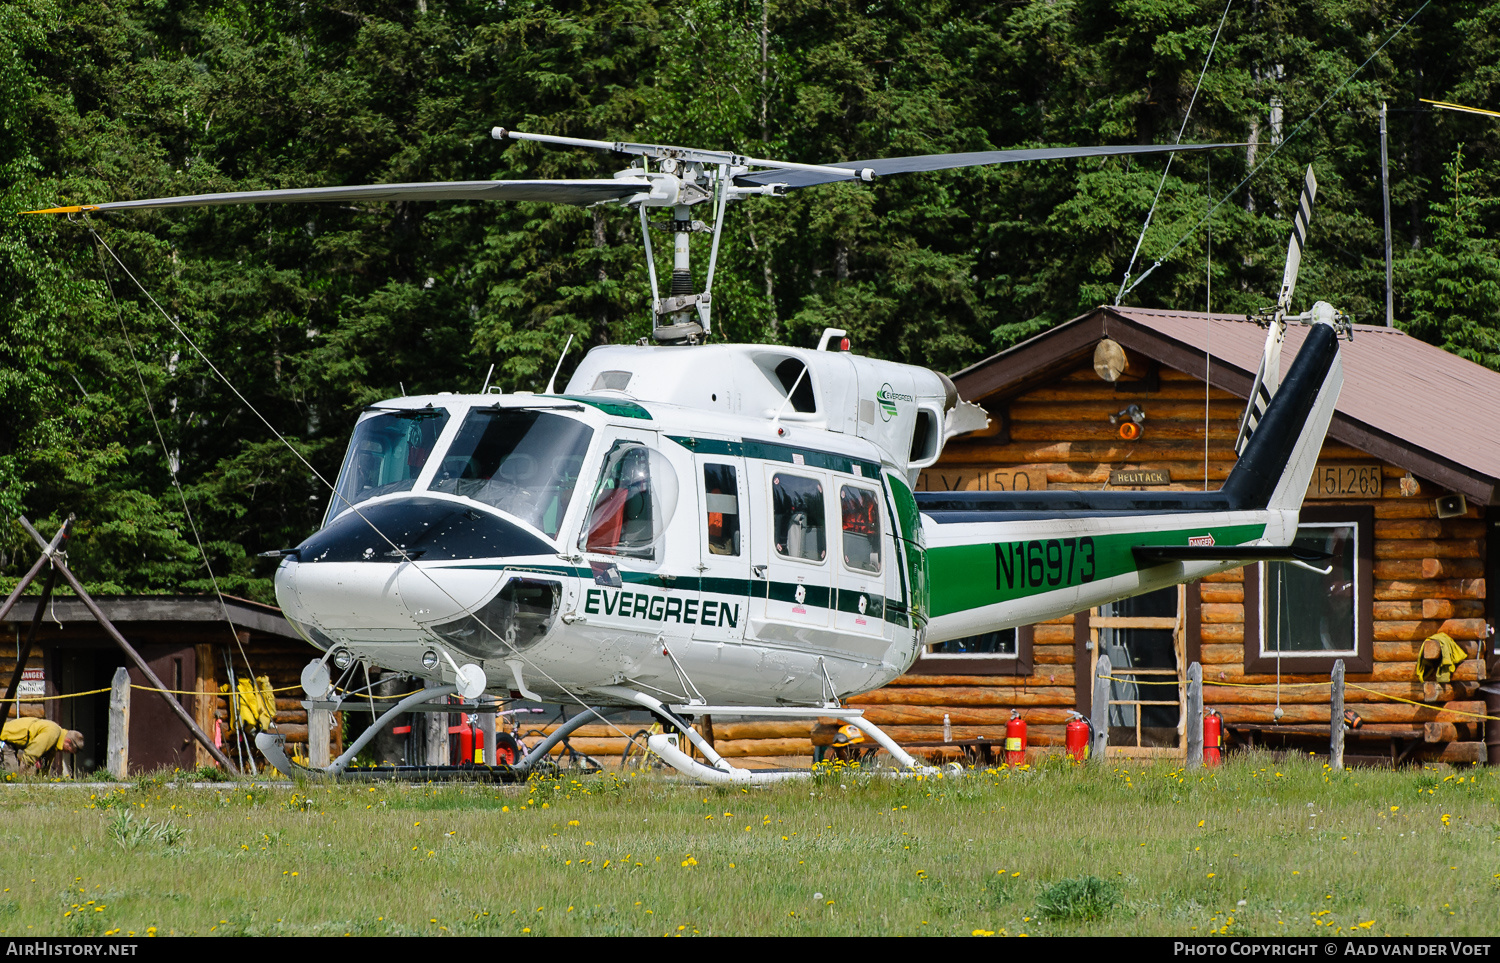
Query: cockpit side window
[[634, 501], [522, 461], [387, 453]]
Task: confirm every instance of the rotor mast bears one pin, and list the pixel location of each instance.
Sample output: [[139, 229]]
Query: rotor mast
[[683, 179]]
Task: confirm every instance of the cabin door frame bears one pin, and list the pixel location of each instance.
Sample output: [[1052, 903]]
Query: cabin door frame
[[1154, 694]]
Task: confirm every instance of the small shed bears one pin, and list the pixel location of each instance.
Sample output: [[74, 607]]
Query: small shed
[[192, 643], [1404, 495]]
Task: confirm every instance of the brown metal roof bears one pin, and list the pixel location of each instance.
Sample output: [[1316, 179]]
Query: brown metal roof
[[243, 613], [1404, 401]]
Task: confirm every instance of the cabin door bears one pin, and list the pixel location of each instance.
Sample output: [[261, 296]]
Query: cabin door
[[792, 584], [1145, 639], [860, 560]]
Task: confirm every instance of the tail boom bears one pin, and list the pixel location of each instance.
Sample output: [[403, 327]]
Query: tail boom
[[1002, 559]]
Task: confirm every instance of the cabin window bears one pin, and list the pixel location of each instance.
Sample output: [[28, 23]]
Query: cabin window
[[860, 510], [721, 501], [387, 453], [1002, 643], [1307, 619], [633, 502], [522, 461], [517, 618], [1005, 652], [799, 528]]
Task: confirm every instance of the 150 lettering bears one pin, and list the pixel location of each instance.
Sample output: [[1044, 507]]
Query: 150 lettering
[[1044, 563]]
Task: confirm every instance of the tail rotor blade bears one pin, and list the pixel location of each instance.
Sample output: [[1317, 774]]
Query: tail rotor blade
[[1300, 221], [1268, 376]]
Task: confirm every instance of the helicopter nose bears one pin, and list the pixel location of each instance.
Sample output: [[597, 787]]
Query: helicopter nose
[[386, 569], [344, 596], [441, 594]]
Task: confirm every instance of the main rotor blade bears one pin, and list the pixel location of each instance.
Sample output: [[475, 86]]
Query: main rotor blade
[[559, 192], [943, 162]]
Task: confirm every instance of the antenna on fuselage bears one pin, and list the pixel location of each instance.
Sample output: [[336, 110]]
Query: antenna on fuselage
[[486, 386], [552, 382]]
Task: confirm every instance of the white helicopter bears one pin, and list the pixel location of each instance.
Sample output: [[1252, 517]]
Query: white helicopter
[[693, 528]]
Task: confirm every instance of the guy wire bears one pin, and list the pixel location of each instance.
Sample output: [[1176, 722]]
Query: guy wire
[[172, 464], [1170, 157], [1277, 149]]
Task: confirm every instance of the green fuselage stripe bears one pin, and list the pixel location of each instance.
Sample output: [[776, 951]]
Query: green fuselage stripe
[[964, 577], [814, 596]]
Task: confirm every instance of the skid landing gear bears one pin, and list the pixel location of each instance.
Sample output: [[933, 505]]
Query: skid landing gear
[[536, 761]]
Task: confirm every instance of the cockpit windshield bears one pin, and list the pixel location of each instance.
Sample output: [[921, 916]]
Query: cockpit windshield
[[386, 455], [522, 461]]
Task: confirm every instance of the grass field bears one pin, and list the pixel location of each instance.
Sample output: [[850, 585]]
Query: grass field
[[1257, 847]]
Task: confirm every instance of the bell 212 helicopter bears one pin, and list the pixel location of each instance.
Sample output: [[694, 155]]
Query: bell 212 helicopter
[[692, 527]]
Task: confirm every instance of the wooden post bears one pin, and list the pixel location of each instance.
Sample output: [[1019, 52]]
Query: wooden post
[[319, 721], [1336, 718], [206, 701], [1100, 710], [1193, 710], [117, 753]]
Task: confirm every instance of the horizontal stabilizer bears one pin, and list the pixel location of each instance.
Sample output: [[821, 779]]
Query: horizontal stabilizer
[[1159, 554]]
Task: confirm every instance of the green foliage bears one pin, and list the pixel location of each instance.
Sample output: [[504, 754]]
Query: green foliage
[[1454, 283], [106, 405], [132, 832], [1078, 899]]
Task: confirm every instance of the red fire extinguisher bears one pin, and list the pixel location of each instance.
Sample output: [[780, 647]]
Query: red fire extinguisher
[[1213, 738], [1077, 737], [465, 730], [1015, 739]]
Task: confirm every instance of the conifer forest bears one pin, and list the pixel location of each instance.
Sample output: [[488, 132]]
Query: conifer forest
[[312, 312]]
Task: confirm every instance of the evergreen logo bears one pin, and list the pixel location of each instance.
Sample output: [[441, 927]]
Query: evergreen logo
[[888, 398]]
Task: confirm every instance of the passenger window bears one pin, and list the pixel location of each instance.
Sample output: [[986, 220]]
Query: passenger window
[[722, 503], [800, 529], [861, 514]]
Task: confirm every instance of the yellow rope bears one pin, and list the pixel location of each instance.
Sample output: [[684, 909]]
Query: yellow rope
[[1308, 685], [1233, 685], [1266, 685], [72, 695], [1424, 705], [76, 695]]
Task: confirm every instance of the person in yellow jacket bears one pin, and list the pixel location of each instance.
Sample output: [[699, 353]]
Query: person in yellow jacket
[[36, 741]]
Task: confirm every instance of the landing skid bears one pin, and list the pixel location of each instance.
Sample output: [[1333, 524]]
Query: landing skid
[[534, 762], [270, 745]]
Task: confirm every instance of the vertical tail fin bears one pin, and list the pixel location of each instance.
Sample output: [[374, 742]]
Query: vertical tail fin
[[1278, 462]]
